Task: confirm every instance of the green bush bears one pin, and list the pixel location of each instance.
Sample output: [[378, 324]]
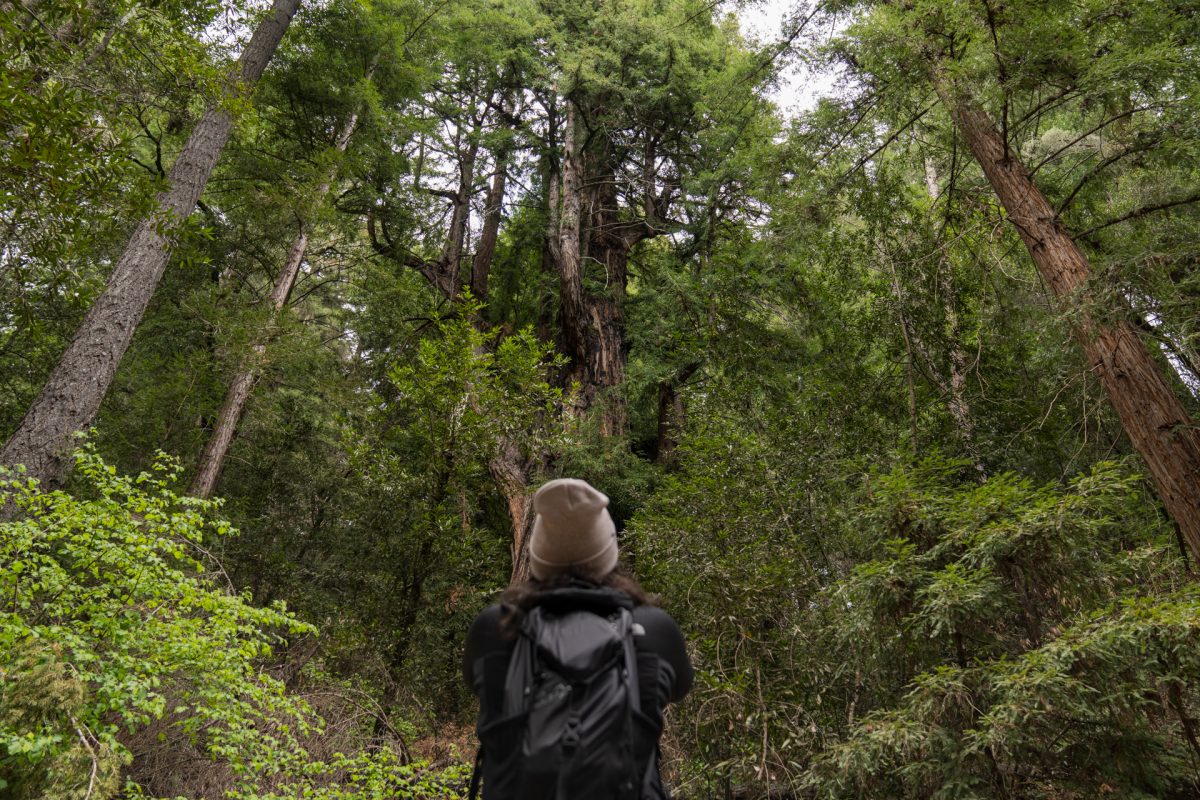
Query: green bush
[[1014, 640], [114, 616], [918, 633]]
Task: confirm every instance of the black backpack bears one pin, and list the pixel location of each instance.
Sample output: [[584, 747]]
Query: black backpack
[[571, 725]]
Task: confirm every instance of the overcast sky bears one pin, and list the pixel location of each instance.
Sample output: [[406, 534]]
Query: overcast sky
[[799, 88]]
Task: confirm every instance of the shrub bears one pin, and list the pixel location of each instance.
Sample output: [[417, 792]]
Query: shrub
[[116, 620]]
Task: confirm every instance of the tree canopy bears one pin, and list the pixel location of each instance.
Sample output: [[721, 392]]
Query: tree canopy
[[894, 395]]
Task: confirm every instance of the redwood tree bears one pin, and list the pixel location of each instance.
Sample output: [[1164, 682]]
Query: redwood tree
[[71, 396], [1029, 61], [1156, 422], [213, 456]]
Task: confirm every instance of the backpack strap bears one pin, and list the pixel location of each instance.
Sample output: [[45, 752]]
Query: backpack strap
[[476, 774], [633, 687], [625, 623], [633, 692], [517, 683], [519, 679]]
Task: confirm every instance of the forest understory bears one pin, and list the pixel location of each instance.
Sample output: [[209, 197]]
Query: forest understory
[[894, 393]]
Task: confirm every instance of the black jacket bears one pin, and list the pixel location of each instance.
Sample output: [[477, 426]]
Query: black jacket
[[664, 670]]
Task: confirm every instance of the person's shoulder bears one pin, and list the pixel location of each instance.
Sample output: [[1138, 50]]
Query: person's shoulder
[[488, 619], [654, 620], [486, 633], [650, 612], [492, 612]]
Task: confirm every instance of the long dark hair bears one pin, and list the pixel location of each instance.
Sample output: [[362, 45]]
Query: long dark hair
[[520, 597]]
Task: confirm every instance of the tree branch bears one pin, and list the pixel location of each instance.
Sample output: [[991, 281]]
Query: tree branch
[[1141, 212]]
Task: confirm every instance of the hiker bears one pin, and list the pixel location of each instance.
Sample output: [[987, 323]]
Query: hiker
[[573, 668]]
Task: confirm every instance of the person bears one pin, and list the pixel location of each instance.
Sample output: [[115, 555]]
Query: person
[[580, 595]]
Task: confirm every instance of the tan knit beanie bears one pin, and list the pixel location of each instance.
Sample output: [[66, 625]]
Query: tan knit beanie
[[572, 531]]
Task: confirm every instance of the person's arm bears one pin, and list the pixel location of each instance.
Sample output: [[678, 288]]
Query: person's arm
[[483, 637], [664, 638]]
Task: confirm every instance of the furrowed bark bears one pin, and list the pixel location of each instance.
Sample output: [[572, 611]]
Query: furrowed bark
[[212, 459], [593, 321], [1153, 417], [71, 396], [510, 470], [570, 274], [593, 324]]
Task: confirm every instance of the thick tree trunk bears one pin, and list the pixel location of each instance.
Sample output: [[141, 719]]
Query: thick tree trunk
[[593, 322], [72, 395], [1153, 417], [567, 250], [212, 459]]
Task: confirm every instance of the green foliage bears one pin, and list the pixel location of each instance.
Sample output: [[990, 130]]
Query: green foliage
[[111, 620], [373, 775], [466, 390], [115, 620], [47, 752], [827, 304], [1037, 641], [923, 635]]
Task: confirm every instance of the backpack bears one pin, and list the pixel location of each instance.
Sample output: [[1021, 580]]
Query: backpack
[[571, 725]]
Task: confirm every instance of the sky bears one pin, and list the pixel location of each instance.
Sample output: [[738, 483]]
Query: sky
[[799, 88]]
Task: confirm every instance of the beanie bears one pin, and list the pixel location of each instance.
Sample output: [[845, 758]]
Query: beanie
[[572, 531]]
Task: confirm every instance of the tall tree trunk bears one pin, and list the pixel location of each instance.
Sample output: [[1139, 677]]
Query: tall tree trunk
[[212, 459], [72, 395], [1153, 417], [493, 205], [593, 322], [567, 249]]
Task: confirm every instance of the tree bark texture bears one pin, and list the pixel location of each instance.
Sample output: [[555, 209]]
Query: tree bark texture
[[592, 236], [509, 469], [212, 459], [71, 396], [1153, 417]]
